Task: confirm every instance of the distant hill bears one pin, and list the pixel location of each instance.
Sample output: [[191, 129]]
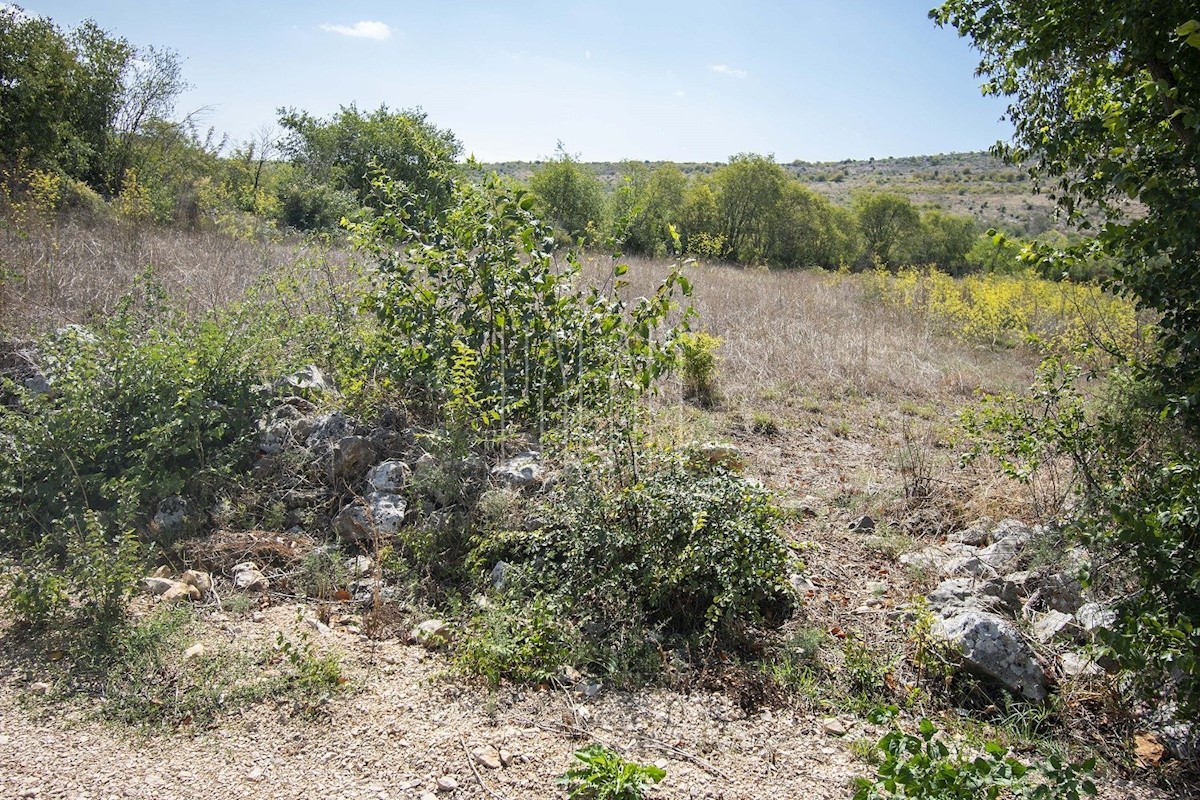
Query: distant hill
[[978, 185]]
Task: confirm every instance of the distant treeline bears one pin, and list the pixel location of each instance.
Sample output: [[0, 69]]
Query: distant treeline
[[87, 123]]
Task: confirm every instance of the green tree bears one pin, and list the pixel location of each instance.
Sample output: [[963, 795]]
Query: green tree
[[59, 93], [748, 189], [1106, 111], [649, 202], [809, 230], [941, 239], [885, 221], [341, 153], [569, 195]]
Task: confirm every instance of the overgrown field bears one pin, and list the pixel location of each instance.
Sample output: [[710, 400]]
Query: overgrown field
[[601, 472]]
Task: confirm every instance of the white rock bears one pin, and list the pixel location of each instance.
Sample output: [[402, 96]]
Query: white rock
[[993, 647], [389, 476], [379, 512], [447, 784], [195, 651], [521, 470], [1053, 624], [432, 634]]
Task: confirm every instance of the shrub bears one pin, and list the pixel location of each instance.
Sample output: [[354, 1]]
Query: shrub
[[476, 316], [698, 366], [143, 407], [526, 641], [923, 767], [695, 549]]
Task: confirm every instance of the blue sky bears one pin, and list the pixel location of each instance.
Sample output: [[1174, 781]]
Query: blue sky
[[684, 81]]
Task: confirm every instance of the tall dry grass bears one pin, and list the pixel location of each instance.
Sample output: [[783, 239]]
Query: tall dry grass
[[58, 270], [815, 333]]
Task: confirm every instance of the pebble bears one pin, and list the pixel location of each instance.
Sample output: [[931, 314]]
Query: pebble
[[447, 784]]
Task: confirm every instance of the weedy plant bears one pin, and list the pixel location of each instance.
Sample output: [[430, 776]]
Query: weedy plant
[[698, 366], [605, 775], [922, 766]]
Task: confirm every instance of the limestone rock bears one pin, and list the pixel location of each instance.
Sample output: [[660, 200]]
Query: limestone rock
[[500, 573], [993, 647], [432, 634], [201, 580], [350, 456], [389, 476], [1054, 625], [521, 471], [379, 513], [487, 756], [324, 430], [714, 454], [309, 378], [247, 577], [171, 515], [447, 784]]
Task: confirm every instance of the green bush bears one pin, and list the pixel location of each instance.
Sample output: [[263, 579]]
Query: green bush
[[143, 407], [923, 767], [698, 366], [480, 322], [522, 641], [696, 550]]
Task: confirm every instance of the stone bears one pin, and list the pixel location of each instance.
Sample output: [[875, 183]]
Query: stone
[[350, 456], [247, 577], [447, 784], [977, 535], [936, 557], [1074, 665], [428, 796], [170, 516], [506, 757], [309, 377], [834, 727], [170, 590], [487, 756], [157, 585], [324, 430], [714, 454], [862, 524], [360, 565], [1095, 617], [500, 574], [195, 651], [568, 675], [520, 471], [965, 594], [379, 513], [1054, 625], [432, 634], [316, 625], [389, 476], [1004, 555], [273, 437], [201, 580], [992, 647], [1059, 592], [162, 571]]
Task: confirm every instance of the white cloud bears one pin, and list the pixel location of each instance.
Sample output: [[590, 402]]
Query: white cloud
[[379, 31], [725, 69], [680, 94]]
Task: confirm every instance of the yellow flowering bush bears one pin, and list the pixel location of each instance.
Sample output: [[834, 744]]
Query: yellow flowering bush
[[1007, 310]]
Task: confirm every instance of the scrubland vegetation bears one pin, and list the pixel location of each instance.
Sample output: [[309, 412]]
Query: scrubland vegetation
[[706, 374]]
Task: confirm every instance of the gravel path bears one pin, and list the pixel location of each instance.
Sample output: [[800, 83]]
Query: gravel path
[[406, 726]]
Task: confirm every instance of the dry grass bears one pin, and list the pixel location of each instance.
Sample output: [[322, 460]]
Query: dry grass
[[73, 270], [812, 333]]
